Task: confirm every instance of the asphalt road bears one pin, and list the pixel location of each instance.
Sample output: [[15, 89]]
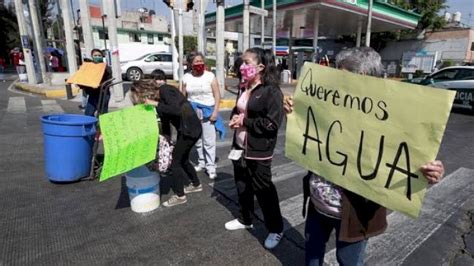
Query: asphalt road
[[91, 223]]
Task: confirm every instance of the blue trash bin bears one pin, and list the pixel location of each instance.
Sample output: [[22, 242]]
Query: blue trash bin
[[68, 141]]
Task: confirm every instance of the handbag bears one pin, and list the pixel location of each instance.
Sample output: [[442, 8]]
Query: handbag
[[165, 154]]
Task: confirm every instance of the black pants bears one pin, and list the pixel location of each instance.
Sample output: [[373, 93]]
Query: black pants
[[255, 178], [181, 167]]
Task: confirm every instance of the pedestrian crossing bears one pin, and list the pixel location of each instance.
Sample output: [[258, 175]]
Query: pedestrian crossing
[[404, 234], [18, 105]]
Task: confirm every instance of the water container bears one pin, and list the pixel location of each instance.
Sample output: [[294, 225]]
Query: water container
[[143, 189], [286, 76], [68, 141]]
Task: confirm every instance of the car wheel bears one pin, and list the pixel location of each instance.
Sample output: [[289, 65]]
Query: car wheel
[[134, 73]]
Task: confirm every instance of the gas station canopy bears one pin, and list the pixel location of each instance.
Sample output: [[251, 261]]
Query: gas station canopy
[[336, 17]]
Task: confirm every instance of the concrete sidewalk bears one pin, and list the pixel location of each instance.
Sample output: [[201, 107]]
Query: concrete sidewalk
[[59, 92]]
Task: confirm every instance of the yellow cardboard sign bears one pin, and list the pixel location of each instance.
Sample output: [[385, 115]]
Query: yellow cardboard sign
[[368, 135], [89, 75]]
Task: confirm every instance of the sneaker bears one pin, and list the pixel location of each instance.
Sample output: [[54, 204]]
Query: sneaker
[[272, 240], [191, 189], [175, 200], [236, 225], [212, 175], [198, 168]]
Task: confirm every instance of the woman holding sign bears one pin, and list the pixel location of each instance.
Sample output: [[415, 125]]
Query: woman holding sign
[[256, 120], [354, 218], [173, 109]]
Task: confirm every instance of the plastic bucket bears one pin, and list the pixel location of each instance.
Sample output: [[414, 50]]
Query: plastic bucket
[[141, 181], [68, 141]]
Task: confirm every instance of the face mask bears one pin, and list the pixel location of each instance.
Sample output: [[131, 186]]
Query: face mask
[[248, 72], [198, 69], [98, 59]]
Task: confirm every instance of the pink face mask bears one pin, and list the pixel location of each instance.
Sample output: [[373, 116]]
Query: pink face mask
[[248, 72]]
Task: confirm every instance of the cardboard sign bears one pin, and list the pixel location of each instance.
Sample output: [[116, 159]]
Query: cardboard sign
[[89, 75], [368, 135]]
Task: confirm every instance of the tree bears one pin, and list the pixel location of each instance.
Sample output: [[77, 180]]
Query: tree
[[8, 31], [189, 44], [428, 9]]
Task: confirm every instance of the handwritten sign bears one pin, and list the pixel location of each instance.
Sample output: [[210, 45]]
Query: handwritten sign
[[367, 135], [89, 75], [130, 139]]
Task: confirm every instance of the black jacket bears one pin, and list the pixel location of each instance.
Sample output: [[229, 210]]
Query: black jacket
[[263, 118], [175, 109]]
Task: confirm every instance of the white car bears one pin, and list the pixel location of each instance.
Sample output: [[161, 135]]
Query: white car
[[458, 78], [139, 68]]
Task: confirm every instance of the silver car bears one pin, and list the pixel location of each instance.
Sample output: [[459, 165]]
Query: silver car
[[139, 68], [458, 78]]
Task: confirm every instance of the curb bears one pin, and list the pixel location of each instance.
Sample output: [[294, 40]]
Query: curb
[[58, 93]]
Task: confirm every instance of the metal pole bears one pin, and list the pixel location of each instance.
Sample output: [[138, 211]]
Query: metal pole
[[246, 25], [86, 25], [105, 32], [25, 40], [70, 49], [116, 71], [369, 23], [316, 33], [359, 32], [274, 31], [38, 35], [263, 25], [180, 44], [220, 46], [201, 26], [173, 46]]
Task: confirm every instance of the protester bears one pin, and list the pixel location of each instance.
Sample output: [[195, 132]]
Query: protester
[[93, 93], [256, 120], [173, 109], [3, 65], [354, 218], [202, 90], [53, 62], [17, 59]]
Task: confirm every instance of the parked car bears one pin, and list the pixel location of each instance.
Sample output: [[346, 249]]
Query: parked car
[[139, 68], [458, 78]]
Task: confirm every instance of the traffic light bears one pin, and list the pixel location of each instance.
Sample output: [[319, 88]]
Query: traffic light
[[169, 3], [189, 5]]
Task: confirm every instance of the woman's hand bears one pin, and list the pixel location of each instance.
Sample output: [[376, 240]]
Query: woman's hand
[[235, 122], [213, 117], [151, 102], [288, 104], [433, 171]]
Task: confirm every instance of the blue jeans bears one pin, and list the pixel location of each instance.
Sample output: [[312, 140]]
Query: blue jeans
[[93, 104], [318, 229]]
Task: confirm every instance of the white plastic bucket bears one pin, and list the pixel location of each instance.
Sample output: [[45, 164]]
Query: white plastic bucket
[[145, 202], [140, 182]]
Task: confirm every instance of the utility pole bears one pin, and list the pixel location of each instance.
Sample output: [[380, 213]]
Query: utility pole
[[39, 40], [220, 46], [70, 49], [369, 23], [173, 45], [201, 26], [86, 26], [274, 29], [118, 94], [263, 25], [26, 42], [246, 25], [180, 6]]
